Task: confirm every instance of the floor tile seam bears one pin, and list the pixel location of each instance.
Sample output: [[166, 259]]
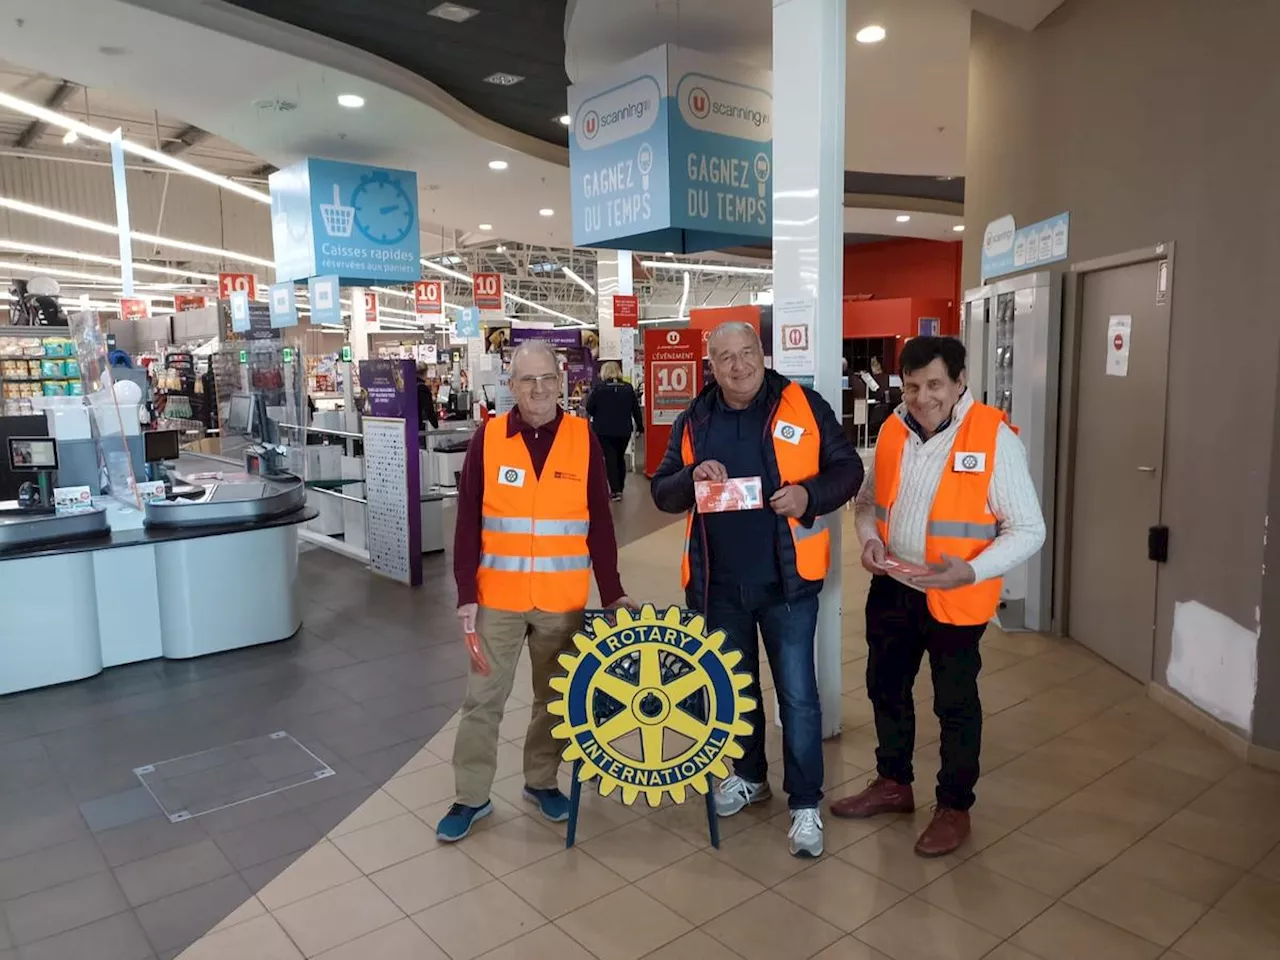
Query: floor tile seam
[[333, 946], [18, 947], [800, 907], [1053, 902], [413, 918]]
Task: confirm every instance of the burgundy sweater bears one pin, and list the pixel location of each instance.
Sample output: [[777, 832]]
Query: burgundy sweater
[[601, 542]]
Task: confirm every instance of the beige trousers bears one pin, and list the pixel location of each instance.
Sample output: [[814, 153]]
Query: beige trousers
[[475, 753]]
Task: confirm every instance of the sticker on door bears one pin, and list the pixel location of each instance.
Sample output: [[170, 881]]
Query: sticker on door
[[1119, 334]]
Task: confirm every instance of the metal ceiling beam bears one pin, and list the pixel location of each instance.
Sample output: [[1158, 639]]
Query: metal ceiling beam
[[185, 139], [35, 128]]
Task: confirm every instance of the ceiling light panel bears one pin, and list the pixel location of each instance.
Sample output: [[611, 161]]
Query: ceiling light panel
[[453, 12]]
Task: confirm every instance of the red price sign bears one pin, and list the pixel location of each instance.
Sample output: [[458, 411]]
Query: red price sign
[[134, 308], [229, 283], [626, 311], [371, 317], [188, 301], [428, 298], [487, 291]]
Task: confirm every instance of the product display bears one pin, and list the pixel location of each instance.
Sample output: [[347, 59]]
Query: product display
[[36, 366]]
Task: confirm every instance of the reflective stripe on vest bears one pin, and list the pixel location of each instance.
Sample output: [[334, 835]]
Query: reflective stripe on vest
[[960, 521], [533, 531], [797, 460]]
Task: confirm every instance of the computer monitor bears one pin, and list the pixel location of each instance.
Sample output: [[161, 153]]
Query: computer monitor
[[240, 414], [160, 445], [32, 454]]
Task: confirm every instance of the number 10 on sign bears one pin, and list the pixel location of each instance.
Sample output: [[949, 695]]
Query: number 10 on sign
[[673, 386]]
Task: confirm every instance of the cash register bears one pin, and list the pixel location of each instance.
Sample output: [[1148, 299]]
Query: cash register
[[38, 456]]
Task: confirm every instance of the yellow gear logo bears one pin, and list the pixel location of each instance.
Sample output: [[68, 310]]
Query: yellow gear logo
[[651, 705]]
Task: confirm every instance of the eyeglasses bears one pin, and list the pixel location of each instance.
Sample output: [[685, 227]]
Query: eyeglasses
[[543, 378]]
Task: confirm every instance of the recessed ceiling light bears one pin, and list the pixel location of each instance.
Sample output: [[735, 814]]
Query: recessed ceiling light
[[565, 119], [546, 212], [453, 12], [70, 137], [958, 228], [668, 254], [503, 79], [498, 164], [499, 249], [486, 226], [873, 33], [902, 218], [352, 101]]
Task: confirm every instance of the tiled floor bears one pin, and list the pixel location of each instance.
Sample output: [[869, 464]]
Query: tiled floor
[[1104, 828]]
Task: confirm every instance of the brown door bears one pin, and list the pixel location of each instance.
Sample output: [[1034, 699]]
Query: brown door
[[1118, 468]]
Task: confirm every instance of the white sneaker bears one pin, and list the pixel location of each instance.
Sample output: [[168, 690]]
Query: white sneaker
[[806, 832], [736, 794]]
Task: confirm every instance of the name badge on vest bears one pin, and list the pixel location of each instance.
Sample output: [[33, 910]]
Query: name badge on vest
[[788, 432], [970, 463], [510, 476]]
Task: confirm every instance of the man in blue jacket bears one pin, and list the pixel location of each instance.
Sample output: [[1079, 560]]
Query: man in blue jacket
[[762, 570]]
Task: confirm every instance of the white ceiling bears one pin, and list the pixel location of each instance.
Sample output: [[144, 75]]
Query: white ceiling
[[906, 96]]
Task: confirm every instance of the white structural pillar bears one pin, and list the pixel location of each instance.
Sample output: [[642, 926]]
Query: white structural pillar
[[808, 237], [359, 325], [613, 278]]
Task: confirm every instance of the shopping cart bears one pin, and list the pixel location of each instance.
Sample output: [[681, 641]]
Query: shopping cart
[[338, 219]]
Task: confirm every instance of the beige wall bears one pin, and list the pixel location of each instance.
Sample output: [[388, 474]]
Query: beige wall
[[1156, 120]]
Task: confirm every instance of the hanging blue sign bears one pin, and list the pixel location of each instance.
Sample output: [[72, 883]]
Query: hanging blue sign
[[322, 293], [1008, 248], [239, 305], [357, 222], [673, 150], [468, 323], [284, 306]]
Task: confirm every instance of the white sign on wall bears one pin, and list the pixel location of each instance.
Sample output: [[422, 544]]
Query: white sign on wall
[[794, 334], [1119, 337]]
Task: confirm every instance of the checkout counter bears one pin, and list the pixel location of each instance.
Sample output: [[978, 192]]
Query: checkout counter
[[210, 566]]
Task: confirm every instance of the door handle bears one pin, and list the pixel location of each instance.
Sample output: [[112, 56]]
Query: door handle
[[1146, 469]]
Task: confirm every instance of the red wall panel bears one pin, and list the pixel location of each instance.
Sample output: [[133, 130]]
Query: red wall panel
[[894, 269]]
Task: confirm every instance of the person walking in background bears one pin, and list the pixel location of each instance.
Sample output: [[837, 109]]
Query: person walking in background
[[762, 570], [613, 409], [426, 402], [951, 497], [533, 522]]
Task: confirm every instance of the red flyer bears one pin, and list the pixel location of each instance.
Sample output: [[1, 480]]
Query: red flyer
[[900, 568], [723, 496]]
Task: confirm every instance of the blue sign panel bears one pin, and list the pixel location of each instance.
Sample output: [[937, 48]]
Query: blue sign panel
[[239, 304], [672, 151], [1008, 248], [284, 306], [468, 323], [359, 223], [322, 292]]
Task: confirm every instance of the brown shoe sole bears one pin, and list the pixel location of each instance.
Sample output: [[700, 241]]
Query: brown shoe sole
[[875, 812], [937, 854]]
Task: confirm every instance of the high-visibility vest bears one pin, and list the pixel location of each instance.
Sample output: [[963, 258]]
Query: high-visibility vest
[[960, 521], [533, 529], [796, 448]]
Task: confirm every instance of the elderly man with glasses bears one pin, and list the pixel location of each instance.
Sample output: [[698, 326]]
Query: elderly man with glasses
[[533, 521]]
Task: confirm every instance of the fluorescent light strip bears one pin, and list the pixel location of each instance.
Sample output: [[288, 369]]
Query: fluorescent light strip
[[579, 281], [31, 209], [510, 296], [155, 156], [706, 268], [106, 261]]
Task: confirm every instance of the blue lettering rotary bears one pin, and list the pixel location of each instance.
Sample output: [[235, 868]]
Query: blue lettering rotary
[[576, 697], [722, 686]]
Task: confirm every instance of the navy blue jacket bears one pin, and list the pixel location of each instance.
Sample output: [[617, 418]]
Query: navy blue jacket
[[838, 480]]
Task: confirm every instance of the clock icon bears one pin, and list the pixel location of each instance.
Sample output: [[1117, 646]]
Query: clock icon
[[383, 211]]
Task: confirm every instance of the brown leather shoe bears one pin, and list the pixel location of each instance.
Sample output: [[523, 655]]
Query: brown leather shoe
[[946, 831], [881, 796]]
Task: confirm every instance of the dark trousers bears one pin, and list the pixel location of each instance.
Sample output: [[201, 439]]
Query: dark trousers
[[788, 629], [615, 461], [900, 629]]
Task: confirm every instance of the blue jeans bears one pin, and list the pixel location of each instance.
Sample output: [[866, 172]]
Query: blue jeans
[[788, 629]]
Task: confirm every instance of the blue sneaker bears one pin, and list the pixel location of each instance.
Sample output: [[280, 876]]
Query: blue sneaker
[[553, 804], [457, 823]]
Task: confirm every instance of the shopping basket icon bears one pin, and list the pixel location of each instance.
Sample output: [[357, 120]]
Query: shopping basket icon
[[338, 218]]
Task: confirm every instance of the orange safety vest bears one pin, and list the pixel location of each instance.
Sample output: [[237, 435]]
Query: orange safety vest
[[796, 447], [960, 522], [533, 530]]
